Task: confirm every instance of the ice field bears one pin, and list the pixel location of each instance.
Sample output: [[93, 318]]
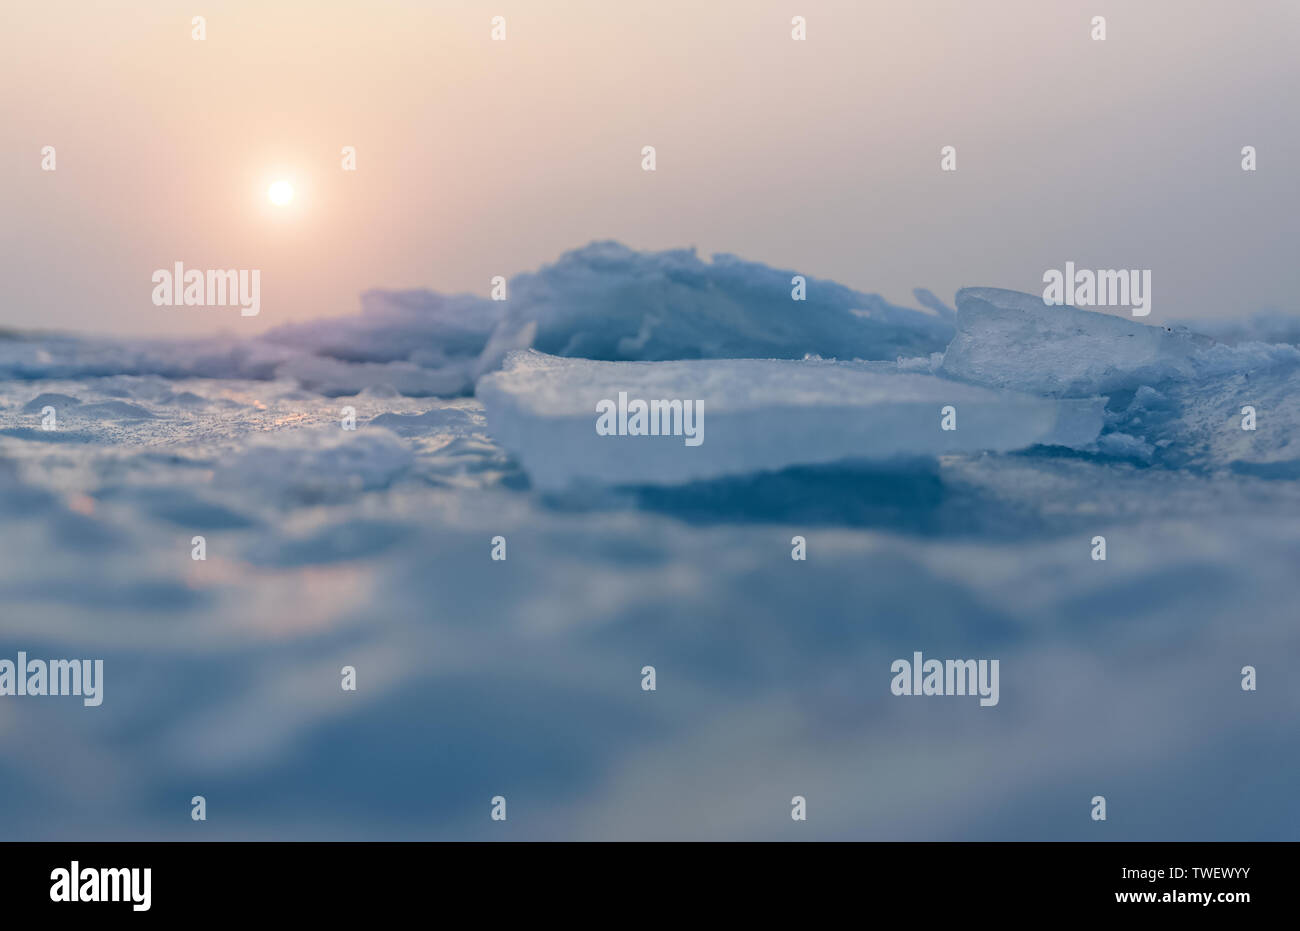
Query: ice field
[[522, 677]]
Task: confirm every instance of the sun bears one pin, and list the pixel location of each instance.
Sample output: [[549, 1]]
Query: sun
[[281, 193]]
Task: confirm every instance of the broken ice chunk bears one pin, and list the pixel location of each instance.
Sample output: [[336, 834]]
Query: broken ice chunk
[[749, 415], [1007, 339]]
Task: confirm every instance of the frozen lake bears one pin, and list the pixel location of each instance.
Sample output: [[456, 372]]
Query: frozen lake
[[522, 677]]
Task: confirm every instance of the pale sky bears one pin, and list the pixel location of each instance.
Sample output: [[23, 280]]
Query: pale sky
[[478, 158]]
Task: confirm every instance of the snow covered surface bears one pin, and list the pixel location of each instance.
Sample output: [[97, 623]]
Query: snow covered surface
[[371, 548]]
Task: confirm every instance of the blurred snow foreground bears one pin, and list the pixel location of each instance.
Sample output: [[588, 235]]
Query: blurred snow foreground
[[498, 563]]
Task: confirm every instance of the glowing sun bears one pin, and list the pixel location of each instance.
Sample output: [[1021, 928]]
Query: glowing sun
[[280, 193]]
